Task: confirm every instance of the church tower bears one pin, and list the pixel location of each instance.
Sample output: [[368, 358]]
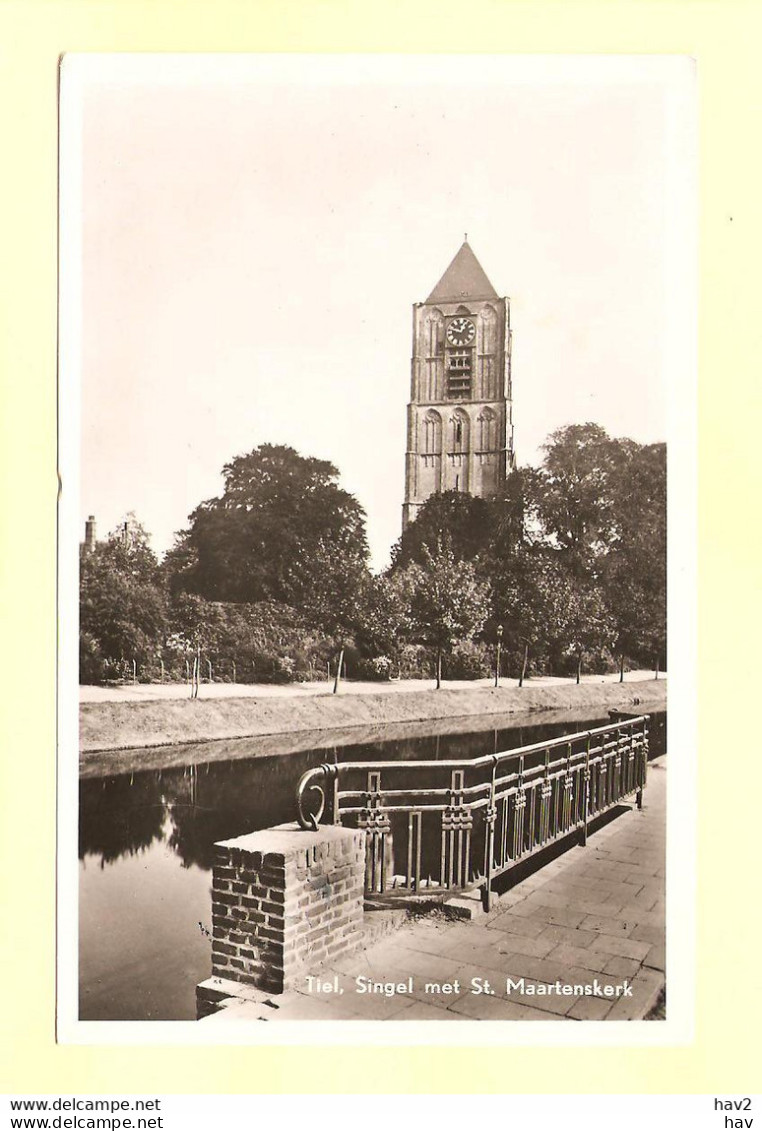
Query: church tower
[[459, 420]]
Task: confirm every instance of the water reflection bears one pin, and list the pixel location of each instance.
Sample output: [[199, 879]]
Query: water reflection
[[120, 816]]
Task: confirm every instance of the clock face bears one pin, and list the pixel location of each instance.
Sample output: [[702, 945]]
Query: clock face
[[461, 332]]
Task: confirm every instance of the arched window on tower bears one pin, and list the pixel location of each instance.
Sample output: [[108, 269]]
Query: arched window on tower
[[432, 433], [459, 431], [487, 430], [433, 346], [434, 336], [487, 350], [487, 330]]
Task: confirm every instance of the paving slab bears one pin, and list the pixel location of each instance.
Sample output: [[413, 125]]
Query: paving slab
[[590, 1009]]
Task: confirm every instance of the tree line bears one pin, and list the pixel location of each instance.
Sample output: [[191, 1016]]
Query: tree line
[[270, 581]]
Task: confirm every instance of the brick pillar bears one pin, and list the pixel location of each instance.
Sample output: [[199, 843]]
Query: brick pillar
[[283, 900]]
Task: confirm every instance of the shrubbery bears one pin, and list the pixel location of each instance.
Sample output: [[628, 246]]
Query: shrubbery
[[468, 660], [92, 666], [378, 668], [415, 662]]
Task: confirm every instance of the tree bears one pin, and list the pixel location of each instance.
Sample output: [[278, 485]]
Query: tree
[[602, 503], [589, 627], [448, 601], [123, 607], [463, 521], [281, 525], [575, 491], [327, 587], [384, 621], [514, 518], [474, 527], [634, 571], [197, 627], [529, 590]]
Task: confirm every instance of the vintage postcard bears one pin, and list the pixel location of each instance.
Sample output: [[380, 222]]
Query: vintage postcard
[[377, 396]]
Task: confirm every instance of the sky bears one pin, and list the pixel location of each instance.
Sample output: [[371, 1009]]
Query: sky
[[255, 230]]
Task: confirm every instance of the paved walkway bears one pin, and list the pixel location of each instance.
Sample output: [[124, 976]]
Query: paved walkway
[[140, 692], [595, 917]]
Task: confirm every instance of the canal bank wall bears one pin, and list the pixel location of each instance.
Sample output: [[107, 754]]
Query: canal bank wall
[[114, 725]]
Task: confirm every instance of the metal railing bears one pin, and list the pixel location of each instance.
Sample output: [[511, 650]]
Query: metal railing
[[444, 826]]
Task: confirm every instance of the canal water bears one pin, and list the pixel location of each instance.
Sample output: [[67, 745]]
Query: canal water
[[146, 842]]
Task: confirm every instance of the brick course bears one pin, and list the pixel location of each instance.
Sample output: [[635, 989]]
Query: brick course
[[282, 900]]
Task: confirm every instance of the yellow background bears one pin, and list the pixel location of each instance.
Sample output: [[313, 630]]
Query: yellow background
[[725, 39]]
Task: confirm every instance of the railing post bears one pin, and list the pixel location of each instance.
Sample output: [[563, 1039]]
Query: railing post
[[545, 792], [457, 822], [628, 778], [489, 840], [375, 821], [568, 796], [616, 791], [644, 759], [586, 788], [519, 809]]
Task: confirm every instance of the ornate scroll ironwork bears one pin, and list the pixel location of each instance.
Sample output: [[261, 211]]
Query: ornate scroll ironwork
[[314, 781]]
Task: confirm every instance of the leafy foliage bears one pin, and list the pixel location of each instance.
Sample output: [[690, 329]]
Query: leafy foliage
[[123, 606], [461, 519], [448, 601], [468, 660], [271, 581], [282, 530], [635, 568], [266, 641], [575, 489]]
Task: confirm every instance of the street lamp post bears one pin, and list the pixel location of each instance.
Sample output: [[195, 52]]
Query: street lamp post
[[497, 657]]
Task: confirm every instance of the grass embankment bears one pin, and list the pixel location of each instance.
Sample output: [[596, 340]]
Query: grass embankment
[[124, 725]]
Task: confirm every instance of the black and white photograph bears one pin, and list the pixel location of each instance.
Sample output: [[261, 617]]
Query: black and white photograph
[[376, 376]]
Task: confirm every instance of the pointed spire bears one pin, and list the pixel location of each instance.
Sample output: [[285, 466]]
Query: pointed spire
[[464, 279]]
